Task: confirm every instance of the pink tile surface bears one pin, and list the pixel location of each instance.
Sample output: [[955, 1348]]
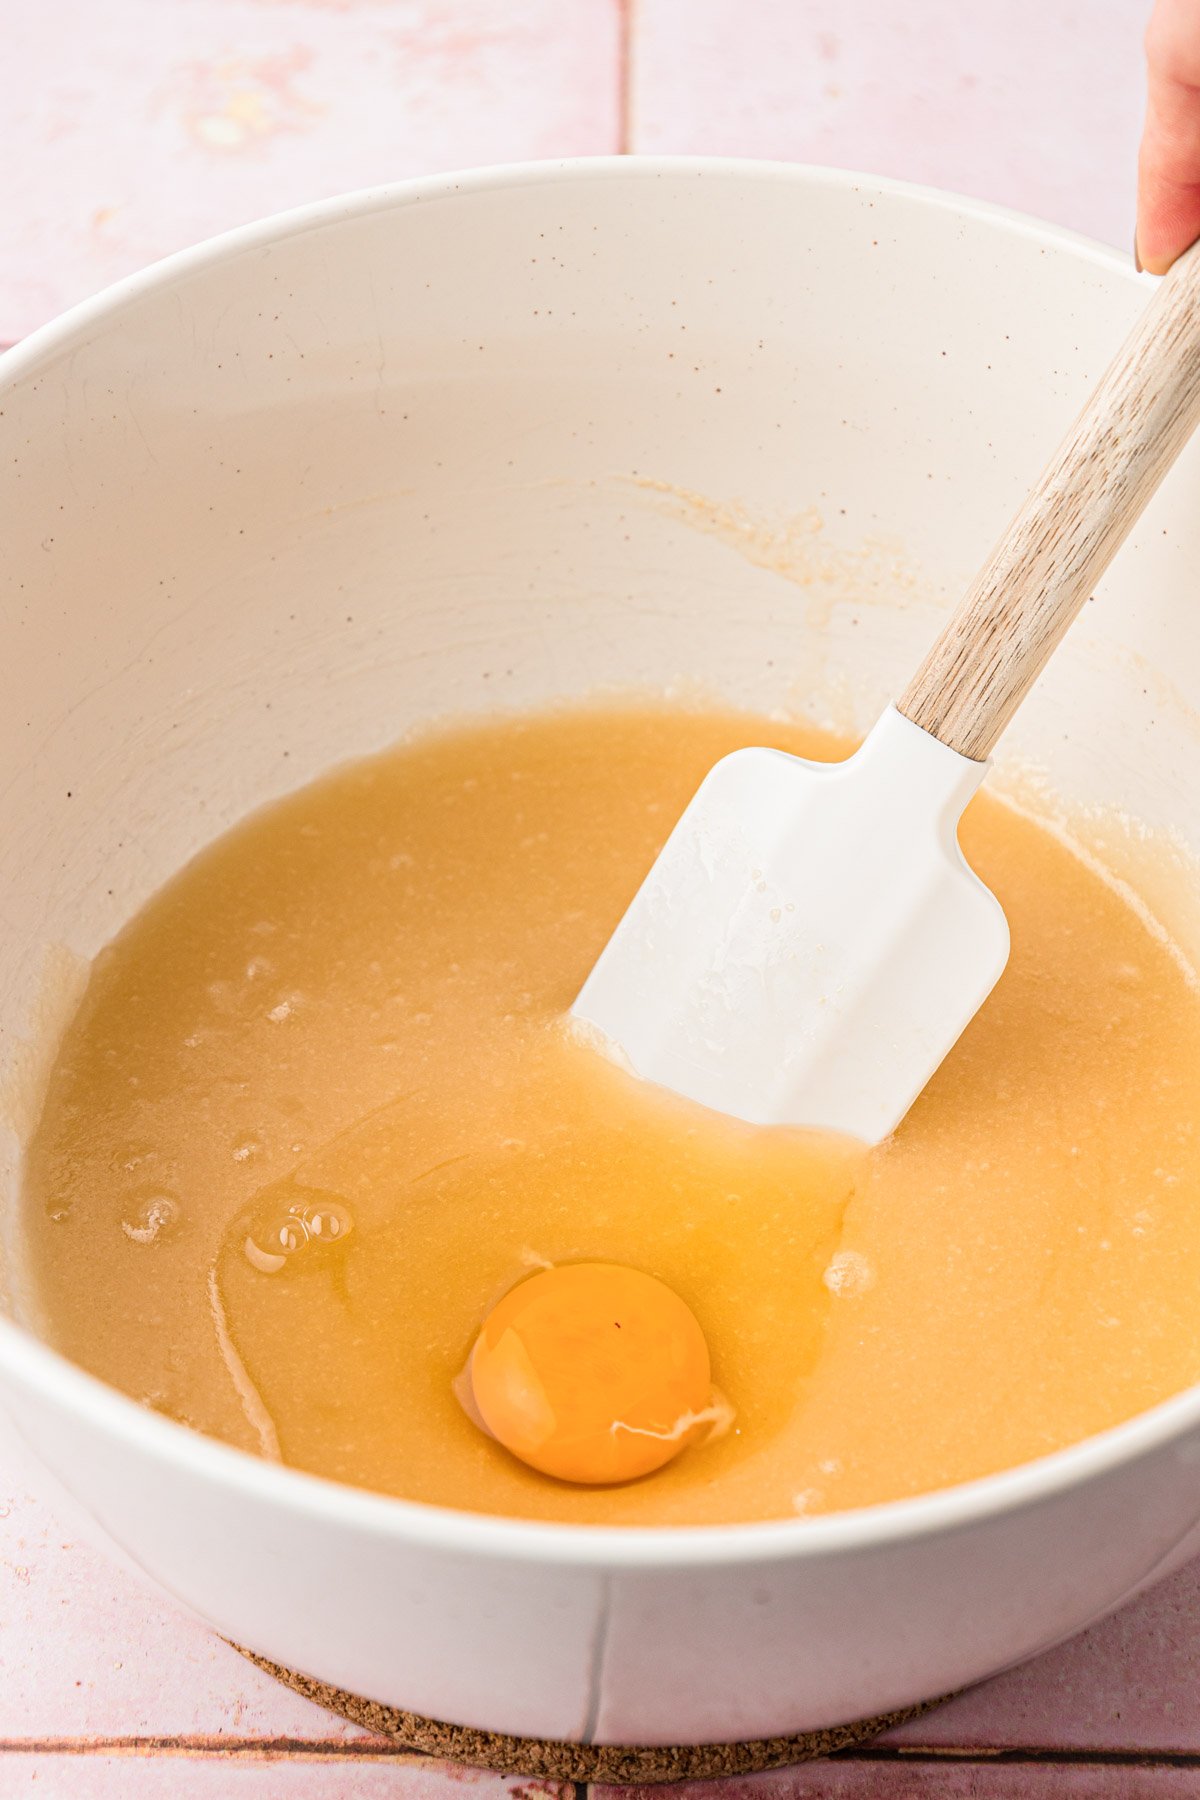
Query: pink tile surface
[[1032, 103], [142, 126], [89, 1650], [863, 1779], [132, 1775]]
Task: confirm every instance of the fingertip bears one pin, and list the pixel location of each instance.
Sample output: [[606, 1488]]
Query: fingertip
[[1165, 229], [1154, 252]]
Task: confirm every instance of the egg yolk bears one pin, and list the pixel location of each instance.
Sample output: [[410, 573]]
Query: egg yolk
[[592, 1373]]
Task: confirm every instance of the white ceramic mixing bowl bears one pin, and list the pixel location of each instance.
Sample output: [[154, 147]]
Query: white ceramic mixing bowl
[[487, 441]]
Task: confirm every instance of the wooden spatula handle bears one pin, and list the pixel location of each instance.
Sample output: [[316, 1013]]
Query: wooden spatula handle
[[1068, 531]]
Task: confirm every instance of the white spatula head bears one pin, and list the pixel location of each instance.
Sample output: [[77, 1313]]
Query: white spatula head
[[810, 942]]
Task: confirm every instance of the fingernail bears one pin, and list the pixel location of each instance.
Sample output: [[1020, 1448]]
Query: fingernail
[[1137, 261]]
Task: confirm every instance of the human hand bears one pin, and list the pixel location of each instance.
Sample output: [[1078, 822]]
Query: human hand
[[1168, 211]]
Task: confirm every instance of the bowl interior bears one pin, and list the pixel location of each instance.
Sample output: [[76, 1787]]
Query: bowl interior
[[490, 443]]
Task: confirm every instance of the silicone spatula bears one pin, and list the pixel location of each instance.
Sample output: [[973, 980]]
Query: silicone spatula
[[811, 942]]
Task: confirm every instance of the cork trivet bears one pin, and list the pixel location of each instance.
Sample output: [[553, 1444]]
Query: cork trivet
[[621, 1764]]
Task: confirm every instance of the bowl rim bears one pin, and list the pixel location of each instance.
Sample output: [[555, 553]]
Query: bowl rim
[[44, 1374]]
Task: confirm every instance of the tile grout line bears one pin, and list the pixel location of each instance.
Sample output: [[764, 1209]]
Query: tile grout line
[[211, 1745], [373, 1749], [626, 32], [1020, 1757]]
